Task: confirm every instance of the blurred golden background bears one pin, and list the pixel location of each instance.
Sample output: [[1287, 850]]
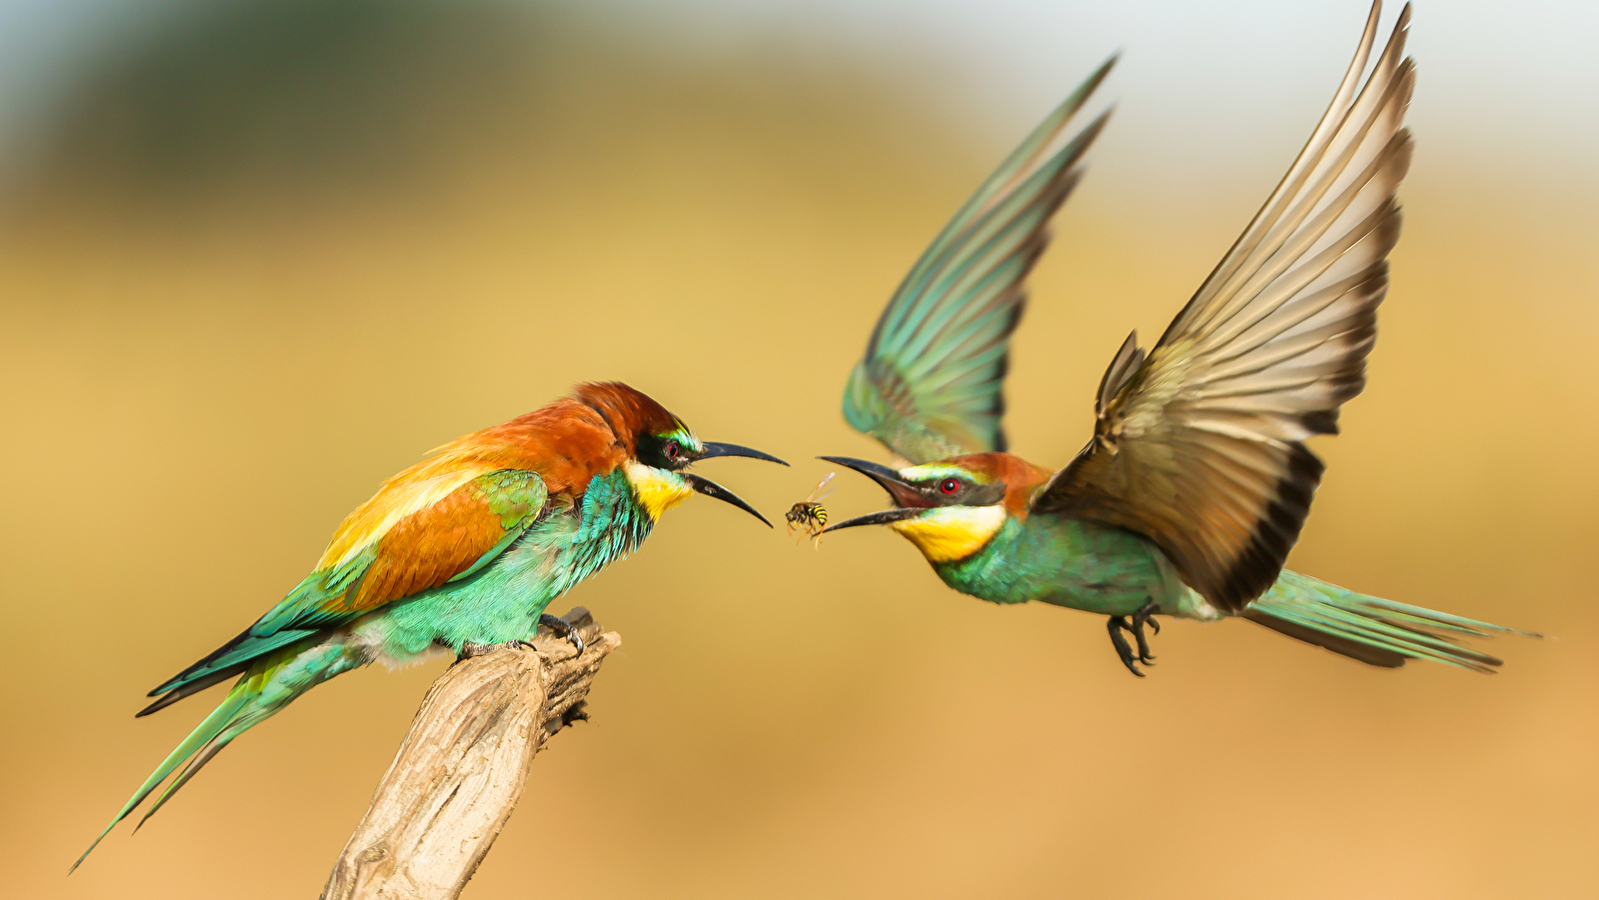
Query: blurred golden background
[[256, 257]]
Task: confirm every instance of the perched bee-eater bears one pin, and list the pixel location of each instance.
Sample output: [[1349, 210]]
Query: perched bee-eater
[[1197, 480], [463, 551]]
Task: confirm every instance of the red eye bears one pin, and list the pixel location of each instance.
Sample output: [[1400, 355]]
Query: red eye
[[949, 485], [672, 450]]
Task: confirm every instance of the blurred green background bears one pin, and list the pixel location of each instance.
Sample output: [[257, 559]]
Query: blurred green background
[[255, 257]]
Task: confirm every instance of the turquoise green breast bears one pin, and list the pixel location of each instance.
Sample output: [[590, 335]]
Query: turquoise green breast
[[1066, 562], [610, 524]]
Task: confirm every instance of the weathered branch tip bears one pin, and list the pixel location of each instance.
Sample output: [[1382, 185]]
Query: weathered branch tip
[[461, 768]]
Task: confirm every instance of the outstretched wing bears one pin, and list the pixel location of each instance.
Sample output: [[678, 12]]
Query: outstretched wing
[[1200, 447], [930, 385], [430, 525]]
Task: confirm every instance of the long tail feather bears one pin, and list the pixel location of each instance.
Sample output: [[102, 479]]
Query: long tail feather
[[202, 735], [1373, 630], [196, 763], [270, 683]]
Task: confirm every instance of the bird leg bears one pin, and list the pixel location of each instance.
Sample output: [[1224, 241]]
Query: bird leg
[[563, 628]]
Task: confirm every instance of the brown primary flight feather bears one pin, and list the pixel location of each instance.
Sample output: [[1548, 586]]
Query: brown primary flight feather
[[1200, 446]]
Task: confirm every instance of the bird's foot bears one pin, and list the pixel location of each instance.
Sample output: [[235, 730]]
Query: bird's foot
[[1145, 616], [1118, 624], [563, 628]]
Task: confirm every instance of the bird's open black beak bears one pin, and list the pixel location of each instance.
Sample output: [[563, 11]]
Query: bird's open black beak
[[897, 514], [712, 449], [711, 489], [901, 492], [908, 501]]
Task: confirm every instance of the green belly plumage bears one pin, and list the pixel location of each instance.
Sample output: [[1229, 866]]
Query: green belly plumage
[[1068, 562]]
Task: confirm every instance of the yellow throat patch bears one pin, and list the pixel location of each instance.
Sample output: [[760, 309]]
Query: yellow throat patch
[[658, 490], [951, 532]]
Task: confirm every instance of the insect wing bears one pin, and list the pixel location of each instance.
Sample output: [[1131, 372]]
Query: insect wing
[[813, 498]]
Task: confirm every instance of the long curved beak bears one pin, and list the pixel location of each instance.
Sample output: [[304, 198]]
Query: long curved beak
[[713, 449], [899, 491], [883, 517], [908, 501], [711, 489]]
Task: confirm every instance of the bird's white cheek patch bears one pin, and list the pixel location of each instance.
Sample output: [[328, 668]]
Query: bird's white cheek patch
[[658, 490], [952, 532]]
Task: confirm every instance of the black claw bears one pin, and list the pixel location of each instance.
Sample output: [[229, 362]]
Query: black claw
[[563, 628], [1143, 646], [1140, 619], [1116, 625]]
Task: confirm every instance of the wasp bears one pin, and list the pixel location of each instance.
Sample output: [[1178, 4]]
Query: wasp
[[809, 514]]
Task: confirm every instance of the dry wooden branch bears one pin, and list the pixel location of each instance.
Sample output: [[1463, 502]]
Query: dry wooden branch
[[460, 771]]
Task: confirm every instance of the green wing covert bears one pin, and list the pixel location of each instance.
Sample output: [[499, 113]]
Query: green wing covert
[[930, 385]]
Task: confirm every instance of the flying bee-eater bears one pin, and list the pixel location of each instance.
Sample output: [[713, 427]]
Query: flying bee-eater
[[462, 551], [1197, 480]]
